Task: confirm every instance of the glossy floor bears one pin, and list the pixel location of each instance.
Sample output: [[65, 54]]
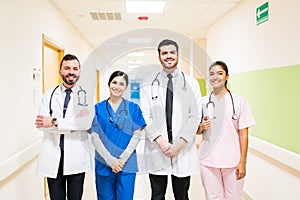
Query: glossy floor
[[142, 188]]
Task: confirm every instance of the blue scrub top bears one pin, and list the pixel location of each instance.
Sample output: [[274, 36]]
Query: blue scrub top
[[115, 138]]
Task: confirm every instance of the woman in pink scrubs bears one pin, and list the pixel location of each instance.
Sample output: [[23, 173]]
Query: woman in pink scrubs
[[224, 129]]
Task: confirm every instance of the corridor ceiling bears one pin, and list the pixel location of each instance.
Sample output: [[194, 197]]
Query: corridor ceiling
[[100, 20]]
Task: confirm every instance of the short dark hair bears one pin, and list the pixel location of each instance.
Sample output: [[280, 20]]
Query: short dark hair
[[118, 73], [69, 57], [167, 42]]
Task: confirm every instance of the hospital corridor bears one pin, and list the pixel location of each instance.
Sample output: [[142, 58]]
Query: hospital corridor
[[203, 87]]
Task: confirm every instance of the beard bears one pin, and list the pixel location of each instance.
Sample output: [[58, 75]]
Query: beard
[[169, 66], [70, 82]]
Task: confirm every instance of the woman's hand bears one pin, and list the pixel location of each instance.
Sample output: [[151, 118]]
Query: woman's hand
[[240, 171], [204, 125], [117, 166]]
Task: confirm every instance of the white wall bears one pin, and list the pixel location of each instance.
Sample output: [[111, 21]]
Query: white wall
[[273, 172], [22, 26], [244, 46]]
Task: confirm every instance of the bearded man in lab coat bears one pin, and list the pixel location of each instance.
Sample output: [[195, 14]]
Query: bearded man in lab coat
[[170, 146], [65, 118]]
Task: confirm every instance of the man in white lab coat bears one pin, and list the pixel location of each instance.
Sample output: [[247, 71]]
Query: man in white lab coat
[[64, 118], [170, 138]]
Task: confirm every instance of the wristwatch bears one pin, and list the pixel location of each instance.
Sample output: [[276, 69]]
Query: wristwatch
[[54, 122]]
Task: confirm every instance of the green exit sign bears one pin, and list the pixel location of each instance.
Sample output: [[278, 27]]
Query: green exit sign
[[262, 13]]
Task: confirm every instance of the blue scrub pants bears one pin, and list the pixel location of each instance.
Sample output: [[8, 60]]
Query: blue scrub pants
[[119, 186]]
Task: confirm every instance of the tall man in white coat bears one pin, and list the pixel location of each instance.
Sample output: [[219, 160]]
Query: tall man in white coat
[[171, 108], [64, 118]]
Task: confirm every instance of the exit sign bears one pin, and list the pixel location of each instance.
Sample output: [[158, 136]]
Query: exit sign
[[262, 13]]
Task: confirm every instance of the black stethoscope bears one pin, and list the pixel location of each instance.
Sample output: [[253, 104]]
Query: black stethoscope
[[234, 116], [81, 91], [121, 126], [158, 84]]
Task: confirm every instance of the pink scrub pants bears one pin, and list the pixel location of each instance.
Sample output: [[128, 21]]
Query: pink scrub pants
[[221, 183]]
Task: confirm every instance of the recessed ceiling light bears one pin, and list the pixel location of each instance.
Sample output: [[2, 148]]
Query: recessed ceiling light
[[145, 6]]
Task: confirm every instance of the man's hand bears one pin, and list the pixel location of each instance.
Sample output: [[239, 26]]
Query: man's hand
[[83, 113], [175, 148], [43, 121], [163, 144]]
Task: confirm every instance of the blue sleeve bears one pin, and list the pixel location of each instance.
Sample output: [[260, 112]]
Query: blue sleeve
[[95, 125], [137, 118]]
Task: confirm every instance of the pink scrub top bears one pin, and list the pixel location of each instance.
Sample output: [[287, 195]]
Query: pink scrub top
[[220, 147]]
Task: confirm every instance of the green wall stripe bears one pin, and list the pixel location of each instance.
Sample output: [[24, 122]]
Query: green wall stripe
[[202, 85], [274, 97]]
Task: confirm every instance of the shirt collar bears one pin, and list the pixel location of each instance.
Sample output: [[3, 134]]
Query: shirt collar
[[174, 74], [63, 88]]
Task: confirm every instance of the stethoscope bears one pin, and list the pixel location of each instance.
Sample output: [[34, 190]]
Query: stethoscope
[[234, 116], [83, 92], [80, 103], [121, 126], [158, 84]]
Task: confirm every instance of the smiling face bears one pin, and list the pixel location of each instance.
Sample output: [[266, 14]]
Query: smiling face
[[168, 58], [218, 77], [70, 71], [117, 86]]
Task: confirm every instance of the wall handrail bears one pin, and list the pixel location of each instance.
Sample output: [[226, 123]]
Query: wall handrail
[[270, 151], [15, 162]]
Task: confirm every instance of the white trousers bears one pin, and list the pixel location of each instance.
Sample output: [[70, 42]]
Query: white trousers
[[221, 183]]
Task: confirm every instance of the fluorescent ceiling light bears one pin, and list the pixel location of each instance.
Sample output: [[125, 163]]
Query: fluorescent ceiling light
[[138, 40], [133, 66], [134, 62], [145, 6], [136, 54]]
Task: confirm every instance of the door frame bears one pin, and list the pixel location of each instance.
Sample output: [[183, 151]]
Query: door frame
[[55, 46]]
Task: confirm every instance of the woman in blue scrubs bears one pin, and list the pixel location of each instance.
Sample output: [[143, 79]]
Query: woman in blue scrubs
[[116, 131]]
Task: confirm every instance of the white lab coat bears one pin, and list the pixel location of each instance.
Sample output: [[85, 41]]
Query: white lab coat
[[77, 155], [185, 121]]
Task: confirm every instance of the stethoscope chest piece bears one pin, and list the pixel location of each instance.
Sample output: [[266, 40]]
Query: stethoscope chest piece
[[234, 117]]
